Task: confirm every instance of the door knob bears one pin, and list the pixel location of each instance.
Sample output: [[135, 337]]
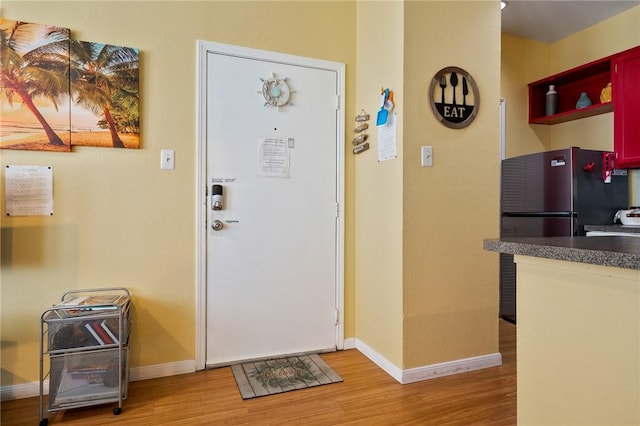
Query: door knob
[[216, 225]]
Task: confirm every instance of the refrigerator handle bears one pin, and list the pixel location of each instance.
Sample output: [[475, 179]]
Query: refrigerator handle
[[607, 166]]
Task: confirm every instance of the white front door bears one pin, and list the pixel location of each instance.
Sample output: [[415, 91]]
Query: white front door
[[273, 269]]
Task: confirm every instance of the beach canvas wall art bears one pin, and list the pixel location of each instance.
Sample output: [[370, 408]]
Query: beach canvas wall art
[[56, 92], [104, 93], [34, 87]]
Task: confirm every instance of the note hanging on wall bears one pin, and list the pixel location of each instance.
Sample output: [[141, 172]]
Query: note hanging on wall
[[387, 140], [29, 190]]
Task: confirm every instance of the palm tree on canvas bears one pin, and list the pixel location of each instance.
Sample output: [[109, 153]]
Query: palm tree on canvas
[[104, 80], [34, 63]]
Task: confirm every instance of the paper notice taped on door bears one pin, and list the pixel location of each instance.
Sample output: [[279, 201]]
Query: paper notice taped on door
[[274, 157]]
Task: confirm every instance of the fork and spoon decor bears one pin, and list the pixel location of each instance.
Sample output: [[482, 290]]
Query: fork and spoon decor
[[448, 87]]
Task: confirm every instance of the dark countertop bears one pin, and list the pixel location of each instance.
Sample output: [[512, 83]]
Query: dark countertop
[[618, 251], [630, 229]]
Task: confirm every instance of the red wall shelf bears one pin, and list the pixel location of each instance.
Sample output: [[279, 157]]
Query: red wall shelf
[[574, 114], [590, 78], [622, 70]]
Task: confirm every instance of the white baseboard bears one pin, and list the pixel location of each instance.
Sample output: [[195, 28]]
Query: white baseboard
[[379, 360], [451, 367], [24, 390], [162, 370], [429, 371], [349, 343], [28, 390]]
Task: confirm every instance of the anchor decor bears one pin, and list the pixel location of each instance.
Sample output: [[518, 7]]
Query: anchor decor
[[454, 97]]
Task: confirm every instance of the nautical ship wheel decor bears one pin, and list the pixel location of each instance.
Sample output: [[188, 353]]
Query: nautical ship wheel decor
[[276, 91], [454, 97]]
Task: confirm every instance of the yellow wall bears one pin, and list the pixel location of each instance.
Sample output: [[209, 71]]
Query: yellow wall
[[450, 283], [119, 219], [380, 48], [612, 35], [101, 251], [523, 61], [426, 291]]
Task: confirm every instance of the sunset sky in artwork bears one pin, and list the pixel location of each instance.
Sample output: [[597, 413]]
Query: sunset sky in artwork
[[59, 119], [62, 115]]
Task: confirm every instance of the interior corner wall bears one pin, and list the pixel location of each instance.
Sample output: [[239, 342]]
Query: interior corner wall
[[380, 50], [618, 33], [119, 219], [450, 293], [522, 62]]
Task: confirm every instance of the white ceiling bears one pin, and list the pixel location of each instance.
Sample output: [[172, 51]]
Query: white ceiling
[[552, 20]]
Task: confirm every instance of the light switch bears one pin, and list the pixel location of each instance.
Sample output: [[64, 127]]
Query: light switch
[[426, 157], [167, 159]]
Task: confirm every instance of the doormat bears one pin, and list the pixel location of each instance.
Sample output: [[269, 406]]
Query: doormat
[[261, 378]]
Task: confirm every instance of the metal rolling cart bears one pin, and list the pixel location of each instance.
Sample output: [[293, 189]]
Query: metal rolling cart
[[85, 339]]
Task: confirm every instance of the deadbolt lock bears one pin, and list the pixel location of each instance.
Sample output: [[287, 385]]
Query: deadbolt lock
[[217, 225]]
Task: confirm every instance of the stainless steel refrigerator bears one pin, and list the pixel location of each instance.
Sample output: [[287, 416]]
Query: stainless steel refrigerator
[[554, 193]]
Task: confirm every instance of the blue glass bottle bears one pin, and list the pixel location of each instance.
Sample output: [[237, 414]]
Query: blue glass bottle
[[583, 101]]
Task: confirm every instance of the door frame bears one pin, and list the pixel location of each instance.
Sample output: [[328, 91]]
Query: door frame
[[203, 49]]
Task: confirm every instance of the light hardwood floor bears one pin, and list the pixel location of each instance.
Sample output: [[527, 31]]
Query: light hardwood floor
[[368, 396]]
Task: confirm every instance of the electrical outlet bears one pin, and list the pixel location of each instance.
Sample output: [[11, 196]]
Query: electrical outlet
[[167, 159], [426, 156]]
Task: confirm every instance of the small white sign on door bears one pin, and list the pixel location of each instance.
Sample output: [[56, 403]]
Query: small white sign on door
[[274, 157]]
